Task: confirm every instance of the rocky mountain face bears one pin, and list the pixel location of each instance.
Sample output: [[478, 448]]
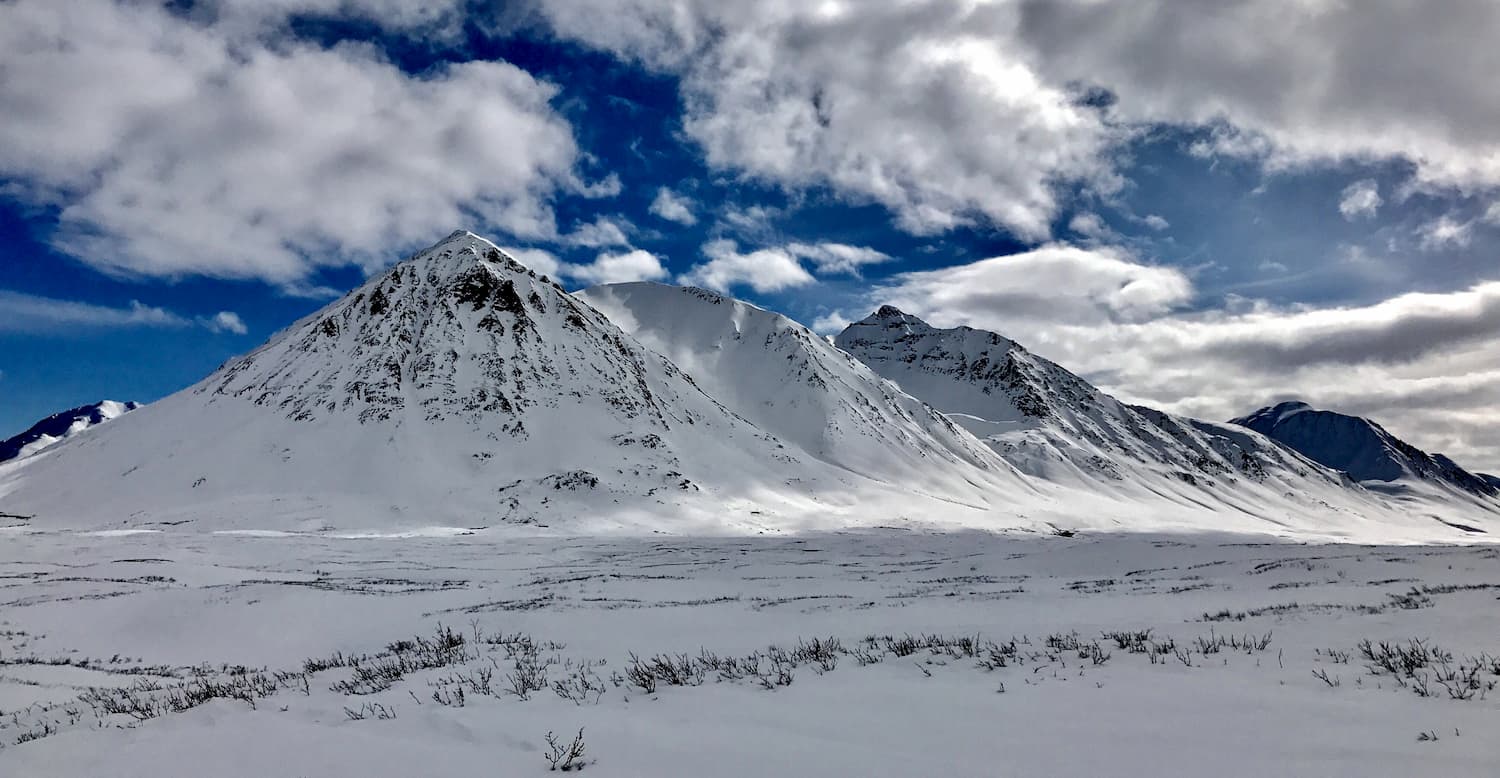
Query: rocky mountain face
[[1360, 447], [461, 392], [461, 388], [1041, 416], [1053, 425], [60, 426]]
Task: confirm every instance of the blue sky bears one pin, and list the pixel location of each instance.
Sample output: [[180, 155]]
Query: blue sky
[[1207, 234]]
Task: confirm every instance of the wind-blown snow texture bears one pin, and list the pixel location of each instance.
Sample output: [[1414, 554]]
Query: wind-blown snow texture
[[462, 392], [62, 425], [1358, 446]]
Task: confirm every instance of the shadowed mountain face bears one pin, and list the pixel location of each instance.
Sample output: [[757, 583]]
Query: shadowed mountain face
[[1359, 447], [62, 425]]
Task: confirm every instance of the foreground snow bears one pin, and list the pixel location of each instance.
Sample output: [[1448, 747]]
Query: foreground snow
[[136, 611]]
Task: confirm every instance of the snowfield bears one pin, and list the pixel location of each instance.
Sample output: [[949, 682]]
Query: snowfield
[[879, 652], [464, 522]]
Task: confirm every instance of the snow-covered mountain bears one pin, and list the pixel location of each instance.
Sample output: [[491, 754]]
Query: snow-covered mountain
[[60, 426], [1359, 447], [462, 389], [1055, 426], [790, 382]]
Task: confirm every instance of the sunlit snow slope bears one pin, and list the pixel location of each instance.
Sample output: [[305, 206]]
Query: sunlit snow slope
[[1055, 426], [461, 389]]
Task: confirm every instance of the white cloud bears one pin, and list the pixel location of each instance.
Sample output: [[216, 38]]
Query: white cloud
[[952, 112], [1051, 283], [540, 260], [925, 108], [1492, 214], [842, 258], [1155, 222], [1360, 199], [602, 232], [764, 270], [1444, 232], [1091, 225], [227, 321], [606, 268], [21, 312], [636, 265], [203, 150], [831, 323], [1293, 81], [673, 207]]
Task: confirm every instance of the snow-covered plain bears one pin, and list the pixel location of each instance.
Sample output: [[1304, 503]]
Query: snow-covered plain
[[138, 611], [460, 509]]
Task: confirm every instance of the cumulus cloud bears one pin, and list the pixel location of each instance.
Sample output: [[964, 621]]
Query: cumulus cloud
[[227, 321], [606, 268], [602, 232], [831, 323], [27, 313], [1052, 283], [636, 265], [1360, 199], [764, 270], [925, 108], [174, 145], [673, 207], [1423, 364], [1291, 81]]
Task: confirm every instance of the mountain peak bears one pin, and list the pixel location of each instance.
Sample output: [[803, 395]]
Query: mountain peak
[[891, 316], [1274, 414], [461, 250], [1356, 445], [62, 425]]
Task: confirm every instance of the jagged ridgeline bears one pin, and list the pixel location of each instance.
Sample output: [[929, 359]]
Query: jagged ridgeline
[[462, 390]]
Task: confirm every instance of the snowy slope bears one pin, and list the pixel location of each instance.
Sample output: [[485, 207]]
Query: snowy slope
[[792, 383], [1359, 447], [1057, 427], [459, 389], [62, 425]]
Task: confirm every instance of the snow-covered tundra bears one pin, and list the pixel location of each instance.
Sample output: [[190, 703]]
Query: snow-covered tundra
[[462, 521]]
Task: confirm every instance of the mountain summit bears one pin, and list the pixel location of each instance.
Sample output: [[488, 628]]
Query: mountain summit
[[1054, 425], [1359, 446], [461, 388], [60, 426], [460, 391]]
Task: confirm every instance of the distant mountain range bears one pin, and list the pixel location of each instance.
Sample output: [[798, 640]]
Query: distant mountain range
[[1360, 447], [60, 426], [464, 392]]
